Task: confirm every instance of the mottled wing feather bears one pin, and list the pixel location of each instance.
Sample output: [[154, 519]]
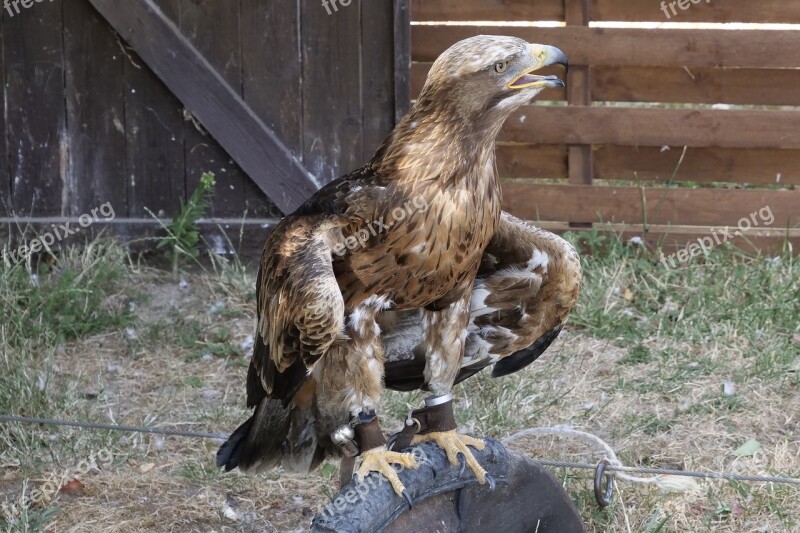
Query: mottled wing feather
[[527, 285], [300, 306]]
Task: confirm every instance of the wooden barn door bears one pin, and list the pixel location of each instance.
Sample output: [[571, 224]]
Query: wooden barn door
[[130, 102]]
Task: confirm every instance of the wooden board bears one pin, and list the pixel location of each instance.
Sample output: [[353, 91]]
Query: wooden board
[[675, 85], [542, 161], [697, 85], [206, 94], [154, 157], [332, 121], [377, 75], [247, 237], [581, 203], [5, 176], [633, 47], [271, 81], [763, 11], [781, 11], [95, 98], [443, 10], [35, 110], [402, 58], [654, 127], [214, 29], [780, 168]]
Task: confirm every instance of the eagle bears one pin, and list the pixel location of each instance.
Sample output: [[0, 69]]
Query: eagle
[[406, 274]]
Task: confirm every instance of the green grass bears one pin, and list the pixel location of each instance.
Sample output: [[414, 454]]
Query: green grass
[[641, 365], [79, 297], [725, 295]]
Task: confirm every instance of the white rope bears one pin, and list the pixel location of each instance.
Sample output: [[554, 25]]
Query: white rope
[[664, 482]]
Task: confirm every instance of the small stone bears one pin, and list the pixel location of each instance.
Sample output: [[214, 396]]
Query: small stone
[[729, 389]]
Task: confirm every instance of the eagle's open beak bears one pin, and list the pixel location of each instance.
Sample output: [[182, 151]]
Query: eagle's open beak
[[544, 56]]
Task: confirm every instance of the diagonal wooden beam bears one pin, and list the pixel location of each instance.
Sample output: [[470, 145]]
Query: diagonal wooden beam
[[197, 84]]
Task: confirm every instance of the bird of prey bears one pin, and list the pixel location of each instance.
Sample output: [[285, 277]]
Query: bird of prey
[[405, 273]]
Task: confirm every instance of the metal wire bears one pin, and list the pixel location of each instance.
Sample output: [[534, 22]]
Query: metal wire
[[545, 462], [112, 427], [668, 472]]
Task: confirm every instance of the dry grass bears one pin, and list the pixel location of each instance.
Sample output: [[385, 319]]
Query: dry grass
[[642, 365]]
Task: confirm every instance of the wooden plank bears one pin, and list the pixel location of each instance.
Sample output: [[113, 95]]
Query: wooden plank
[[763, 11], [206, 94], [271, 82], [5, 175], [213, 28], [95, 97], [248, 237], [696, 85], [675, 85], [701, 165], [580, 166], [332, 128], [154, 156], [654, 127], [378, 75], [222, 235], [546, 161], [443, 10], [402, 58], [633, 47], [708, 207], [35, 111]]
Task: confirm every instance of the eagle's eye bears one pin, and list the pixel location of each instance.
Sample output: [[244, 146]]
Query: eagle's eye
[[500, 66]]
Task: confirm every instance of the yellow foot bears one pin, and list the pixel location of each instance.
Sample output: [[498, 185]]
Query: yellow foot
[[381, 460], [454, 443]]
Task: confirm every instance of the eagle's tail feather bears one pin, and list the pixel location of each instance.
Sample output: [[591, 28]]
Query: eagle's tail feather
[[229, 453], [257, 445]]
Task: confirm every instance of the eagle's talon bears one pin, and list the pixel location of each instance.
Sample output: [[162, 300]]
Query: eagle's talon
[[492, 483], [381, 460], [407, 496], [455, 444], [462, 459]]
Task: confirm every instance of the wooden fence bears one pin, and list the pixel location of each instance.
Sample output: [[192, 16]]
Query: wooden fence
[[607, 156]]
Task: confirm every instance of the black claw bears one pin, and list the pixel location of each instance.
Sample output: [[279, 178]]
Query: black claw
[[407, 496], [492, 483], [463, 460]]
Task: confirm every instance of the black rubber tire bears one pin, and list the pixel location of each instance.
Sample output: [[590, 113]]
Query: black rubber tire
[[526, 498]]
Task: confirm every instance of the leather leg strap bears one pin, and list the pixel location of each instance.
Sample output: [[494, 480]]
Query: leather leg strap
[[437, 416], [362, 434], [368, 434]]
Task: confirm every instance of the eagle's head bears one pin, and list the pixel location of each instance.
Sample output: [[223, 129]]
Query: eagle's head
[[471, 90], [486, 77]]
